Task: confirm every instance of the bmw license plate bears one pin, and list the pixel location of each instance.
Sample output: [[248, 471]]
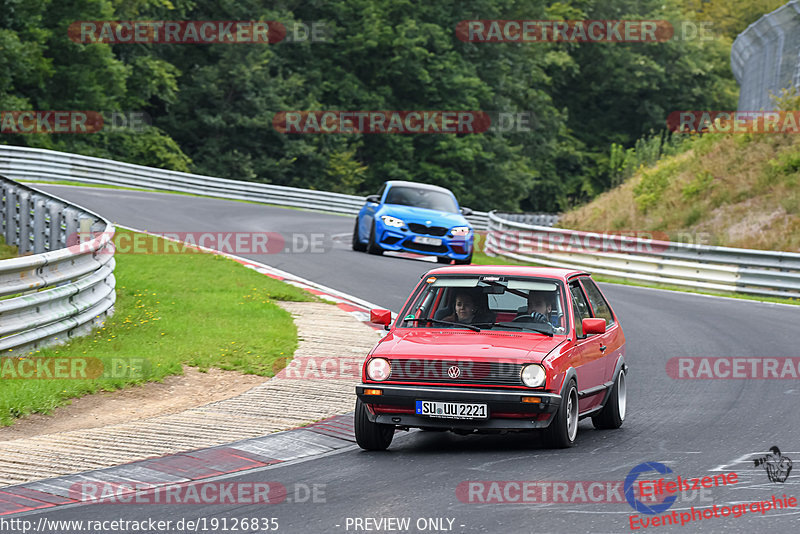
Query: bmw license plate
[[422, 240], [452, 410]]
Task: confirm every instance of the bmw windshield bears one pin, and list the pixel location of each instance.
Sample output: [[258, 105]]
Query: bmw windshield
[[488, 302], [421, 198]]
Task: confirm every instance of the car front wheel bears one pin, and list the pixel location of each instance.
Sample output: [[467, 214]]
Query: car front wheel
[[563, 428], [358, 246], [613, 413], [371, 436], [372, 246], [465, 261]]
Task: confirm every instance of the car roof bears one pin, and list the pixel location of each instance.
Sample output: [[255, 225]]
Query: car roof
[[418, 185], [510, 270]]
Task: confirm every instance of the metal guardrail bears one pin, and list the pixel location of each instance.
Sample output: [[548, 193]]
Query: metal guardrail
[[766, 57], [755, 272], [63, 283], [35, 164]]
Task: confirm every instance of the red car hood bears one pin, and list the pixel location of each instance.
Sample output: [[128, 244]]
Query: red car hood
[[466, 345]]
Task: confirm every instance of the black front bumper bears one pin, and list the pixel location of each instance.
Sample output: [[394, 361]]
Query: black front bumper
[[497, 401]]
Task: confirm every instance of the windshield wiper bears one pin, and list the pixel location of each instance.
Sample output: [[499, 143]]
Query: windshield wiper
[[517, 327], [439, 321]]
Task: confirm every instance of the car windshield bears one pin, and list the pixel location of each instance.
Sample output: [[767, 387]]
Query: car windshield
[[492, 302], [421, 198]]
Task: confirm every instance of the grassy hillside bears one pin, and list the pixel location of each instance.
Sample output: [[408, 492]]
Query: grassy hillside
[[730, 190]]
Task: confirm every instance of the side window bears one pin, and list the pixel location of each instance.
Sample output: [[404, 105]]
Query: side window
[[381, 191], [599, 304], [580, 307]]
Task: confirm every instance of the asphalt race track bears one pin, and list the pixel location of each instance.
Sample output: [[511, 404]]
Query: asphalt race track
[[692, 426]]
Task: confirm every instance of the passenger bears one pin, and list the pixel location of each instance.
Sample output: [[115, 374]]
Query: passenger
[[468, 310]]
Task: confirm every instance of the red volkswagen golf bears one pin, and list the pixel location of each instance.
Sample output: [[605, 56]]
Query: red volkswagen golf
[[493, 348]]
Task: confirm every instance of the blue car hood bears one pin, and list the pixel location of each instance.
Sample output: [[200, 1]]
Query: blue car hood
[[423, 215]]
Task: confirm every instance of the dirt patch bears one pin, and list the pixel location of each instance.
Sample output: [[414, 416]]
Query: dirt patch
[[174, 394]]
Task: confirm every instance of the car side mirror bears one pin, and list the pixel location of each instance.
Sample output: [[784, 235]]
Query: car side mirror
[[379, 316], [593, 325], [466, 211], [375, 199]]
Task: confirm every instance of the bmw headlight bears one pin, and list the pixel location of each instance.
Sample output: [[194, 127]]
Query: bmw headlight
[[461, 230], [533, 375], [388, 220], [379, 369]]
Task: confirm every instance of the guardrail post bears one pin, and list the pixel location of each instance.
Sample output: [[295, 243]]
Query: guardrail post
[[54, 229], [85, 228], [39, 224], [24, 245], [3, 209], [72, 226], [11, 217]]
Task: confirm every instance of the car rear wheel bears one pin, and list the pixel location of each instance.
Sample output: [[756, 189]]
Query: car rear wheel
[[563, 428], [371, 436], [613, 413], [358, 246], [372, 246]]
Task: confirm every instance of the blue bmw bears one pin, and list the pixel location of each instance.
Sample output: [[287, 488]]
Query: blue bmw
[[414, 217]]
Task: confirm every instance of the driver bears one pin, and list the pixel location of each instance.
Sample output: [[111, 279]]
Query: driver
[[539, 306]]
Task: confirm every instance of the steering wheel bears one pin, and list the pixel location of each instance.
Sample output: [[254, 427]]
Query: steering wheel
[[535, 317]]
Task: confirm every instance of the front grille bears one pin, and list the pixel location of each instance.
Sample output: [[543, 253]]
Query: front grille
[[424, 248], [437, 371], [391, 240], [427, 230]]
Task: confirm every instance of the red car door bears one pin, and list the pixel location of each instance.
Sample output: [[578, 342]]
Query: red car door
[[613, 340], [587, 357]]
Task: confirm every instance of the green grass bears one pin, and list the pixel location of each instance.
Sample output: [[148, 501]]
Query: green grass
[[7, 251], [85, 184], [191, 309]]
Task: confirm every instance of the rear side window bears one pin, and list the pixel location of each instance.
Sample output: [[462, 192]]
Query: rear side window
[[580, 307], [599, 304]]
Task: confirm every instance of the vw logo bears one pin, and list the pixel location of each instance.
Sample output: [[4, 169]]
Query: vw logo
[[454, 372]]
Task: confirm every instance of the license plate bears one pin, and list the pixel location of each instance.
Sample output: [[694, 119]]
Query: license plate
[[452, 410], [422, 240]]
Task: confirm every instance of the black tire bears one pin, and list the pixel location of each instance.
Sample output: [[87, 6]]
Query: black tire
[[465, 261], [563, 428], [372, 246], [371, 436], [613, 413], [443, 259], [358, 246]]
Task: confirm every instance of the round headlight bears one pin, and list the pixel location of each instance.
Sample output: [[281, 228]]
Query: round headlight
[[378, 369], [533, 375]]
